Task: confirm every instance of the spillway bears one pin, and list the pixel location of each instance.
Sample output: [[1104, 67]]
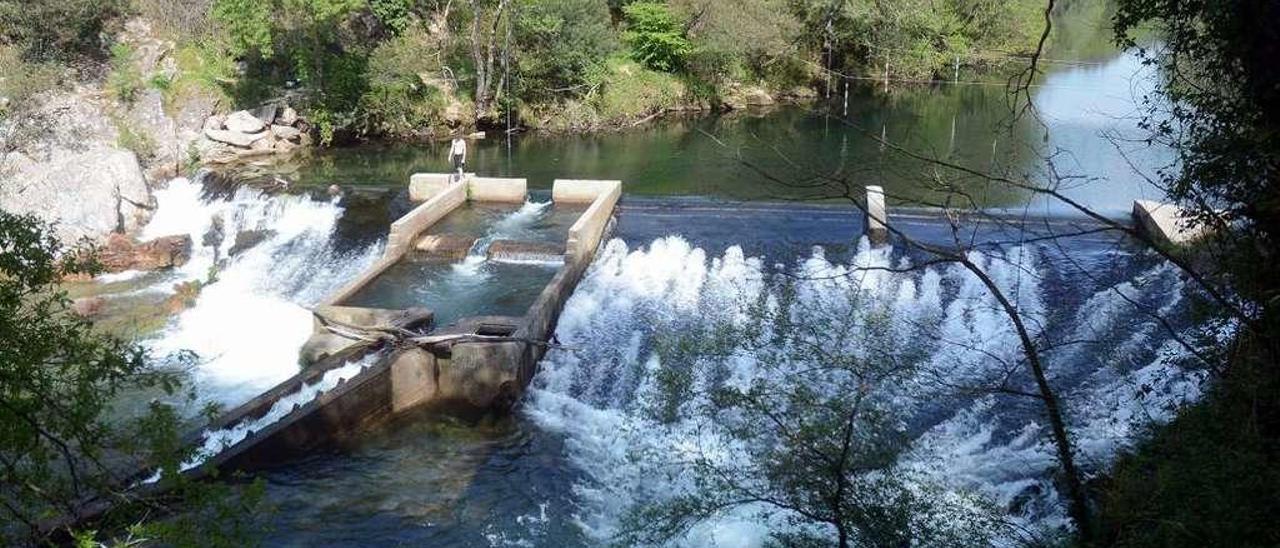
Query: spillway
[[562, 471]]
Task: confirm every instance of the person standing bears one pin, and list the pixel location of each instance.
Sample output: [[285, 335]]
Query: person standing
[[458, 155]]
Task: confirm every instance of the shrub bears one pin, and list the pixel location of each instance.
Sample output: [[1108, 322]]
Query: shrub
[[655, 36], [559, 43], [630, 91], [125, 80], [22, 81], [404, 94], [59, 30]]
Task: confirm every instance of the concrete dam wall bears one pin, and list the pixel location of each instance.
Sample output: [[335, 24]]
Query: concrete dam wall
[[379, 349]]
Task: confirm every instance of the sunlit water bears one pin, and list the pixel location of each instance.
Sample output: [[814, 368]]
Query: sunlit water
[[559, 472], [1086, 120]]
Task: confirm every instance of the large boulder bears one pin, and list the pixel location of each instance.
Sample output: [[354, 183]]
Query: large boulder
[[122, 253], [242, 121], [86, 195], [234, 138]]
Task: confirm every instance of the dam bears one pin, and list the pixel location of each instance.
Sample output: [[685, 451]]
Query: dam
[[454, 315], [643, 284]]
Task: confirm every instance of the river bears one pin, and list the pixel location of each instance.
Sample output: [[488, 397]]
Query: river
[[560, 472]]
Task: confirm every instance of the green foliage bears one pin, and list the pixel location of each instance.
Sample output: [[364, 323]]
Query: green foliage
[[23, 81], [59, 30], [394, 14], [60, 380], [560, 43], [656, 36], [404, 95], [125, 80], [248, 23], [1210, 477], [630, 90]]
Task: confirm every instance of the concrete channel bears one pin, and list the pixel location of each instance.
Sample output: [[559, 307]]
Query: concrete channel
[[471, 365]]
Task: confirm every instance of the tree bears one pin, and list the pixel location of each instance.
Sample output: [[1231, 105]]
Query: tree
[[655, 36], [62, 442], [559, 43]]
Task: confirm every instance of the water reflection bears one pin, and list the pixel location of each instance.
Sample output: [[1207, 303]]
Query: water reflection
[[1087, 122]]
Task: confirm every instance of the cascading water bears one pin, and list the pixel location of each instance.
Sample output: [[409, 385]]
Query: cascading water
[[246, 327], [1116, 376]]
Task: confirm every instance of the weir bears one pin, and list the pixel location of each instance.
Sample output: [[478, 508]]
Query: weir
[[441, 320]]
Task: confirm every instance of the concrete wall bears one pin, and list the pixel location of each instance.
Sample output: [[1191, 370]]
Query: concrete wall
[[1165, 223], [404, 230], [877, 216], [424, 186], [580, 191], [493, 189], [585, 234]]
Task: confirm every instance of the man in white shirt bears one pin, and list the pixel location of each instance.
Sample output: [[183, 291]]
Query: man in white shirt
[[458, 155]]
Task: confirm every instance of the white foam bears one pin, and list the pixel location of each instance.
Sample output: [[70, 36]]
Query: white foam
[[595, 394], [247, 327]]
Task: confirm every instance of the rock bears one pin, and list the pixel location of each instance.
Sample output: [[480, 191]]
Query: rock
[[122, 253], [88, 307], [266, 113], [287, 133], [248, 240], [241, 121], [234, 138], [287, 117], [184, 296], [282, 146], [217, 121], [85, 195], [263, 144]]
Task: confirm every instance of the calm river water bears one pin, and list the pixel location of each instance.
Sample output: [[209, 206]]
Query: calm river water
[[1085, 121]]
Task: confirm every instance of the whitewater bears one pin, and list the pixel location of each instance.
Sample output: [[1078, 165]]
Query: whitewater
[[1115, 365]]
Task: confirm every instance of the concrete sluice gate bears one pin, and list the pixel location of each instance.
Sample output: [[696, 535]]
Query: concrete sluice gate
[[454, 316]]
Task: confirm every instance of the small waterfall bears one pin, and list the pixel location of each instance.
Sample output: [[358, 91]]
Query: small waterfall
[[216, 441], [247, 326], [995, 446], [511, 225]]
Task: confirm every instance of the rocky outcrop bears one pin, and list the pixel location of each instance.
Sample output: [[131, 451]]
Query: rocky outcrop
[[169, 126], [84, 195], [247, 134], [122, 253]]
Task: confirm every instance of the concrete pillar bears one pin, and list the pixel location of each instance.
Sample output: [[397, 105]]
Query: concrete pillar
[[877, 216], [1165, 223], [413, 379]]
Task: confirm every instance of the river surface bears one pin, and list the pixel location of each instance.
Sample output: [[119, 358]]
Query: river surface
[[1085, 121], [687, 254]]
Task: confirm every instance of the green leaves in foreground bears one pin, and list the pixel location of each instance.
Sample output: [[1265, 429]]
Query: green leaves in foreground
[[66, 435]]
